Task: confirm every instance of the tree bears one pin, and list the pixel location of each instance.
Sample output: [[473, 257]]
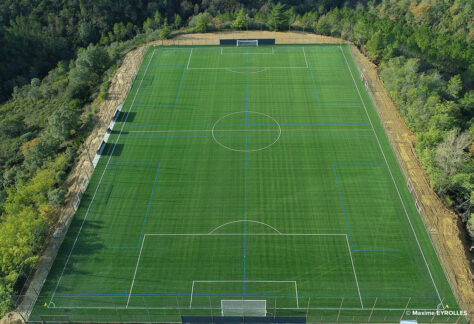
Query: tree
[[11, 128], [241, 20], [362, 32], [148, 25], [18, 234], [308, 19], [467, 103], [94, 58], [56, 196], [454, 86], [86, 33], [450, 154], [165, 31], [278, 17], [157, 19], [291, 15], [62, 122], [323, 25], [177, 21], [44, 148], [91, 63], [201, 26]]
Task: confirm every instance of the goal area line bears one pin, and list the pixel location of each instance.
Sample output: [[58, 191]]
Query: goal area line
[[293, 282]]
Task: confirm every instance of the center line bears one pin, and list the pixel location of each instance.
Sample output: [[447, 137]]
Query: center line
[[245, 206], [247, 89]]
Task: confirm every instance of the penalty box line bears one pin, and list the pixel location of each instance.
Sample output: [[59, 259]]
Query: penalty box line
[[240, 234]]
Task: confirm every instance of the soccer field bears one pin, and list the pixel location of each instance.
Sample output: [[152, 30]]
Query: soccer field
[[246, 173]]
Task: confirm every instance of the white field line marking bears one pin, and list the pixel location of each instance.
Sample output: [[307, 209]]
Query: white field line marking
[[189, 60], [101, 178], [136, 269], [243, 220], [304, 53], [250, 53], [266, 281], [263, 70], [393, 179], [192, 292], [355, 275], [253, 67], [242, 234], [250, 130], [297, 298], [235, 281], [208, 308]]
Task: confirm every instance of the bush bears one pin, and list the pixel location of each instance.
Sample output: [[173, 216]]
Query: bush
[[56, 196]]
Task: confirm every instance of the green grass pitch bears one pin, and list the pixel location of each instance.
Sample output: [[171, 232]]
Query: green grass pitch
[[246, 173]]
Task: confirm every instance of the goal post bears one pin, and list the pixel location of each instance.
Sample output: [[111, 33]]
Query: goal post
[[243, 307], [247, 42]]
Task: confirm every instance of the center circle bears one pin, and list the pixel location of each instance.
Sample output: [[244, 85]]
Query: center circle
[[246, 131]]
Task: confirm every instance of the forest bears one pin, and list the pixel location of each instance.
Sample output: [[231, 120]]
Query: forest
[[57, 58]]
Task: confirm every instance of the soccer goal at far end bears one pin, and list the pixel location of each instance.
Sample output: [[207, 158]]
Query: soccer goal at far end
[[247, 42], [244, 307]]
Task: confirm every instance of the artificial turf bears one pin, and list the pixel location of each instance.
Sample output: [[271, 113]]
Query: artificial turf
[[256, 173]]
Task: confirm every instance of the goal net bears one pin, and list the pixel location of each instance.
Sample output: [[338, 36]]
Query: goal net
[[247, 42], [244, 307]]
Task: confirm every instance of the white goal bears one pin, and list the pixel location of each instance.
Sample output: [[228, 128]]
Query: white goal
[[247, 42], [244, 307]]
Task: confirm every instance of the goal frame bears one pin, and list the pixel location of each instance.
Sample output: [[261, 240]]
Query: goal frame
[[247, 42], [242, 308]]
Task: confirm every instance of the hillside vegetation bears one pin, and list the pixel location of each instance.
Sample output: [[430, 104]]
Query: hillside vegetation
[[57, 57]]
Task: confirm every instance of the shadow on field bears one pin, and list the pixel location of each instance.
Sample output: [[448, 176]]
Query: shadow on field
[[112, 149], [128, 116]]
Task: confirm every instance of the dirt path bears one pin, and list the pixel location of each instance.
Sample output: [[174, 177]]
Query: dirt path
[[442, 224]]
